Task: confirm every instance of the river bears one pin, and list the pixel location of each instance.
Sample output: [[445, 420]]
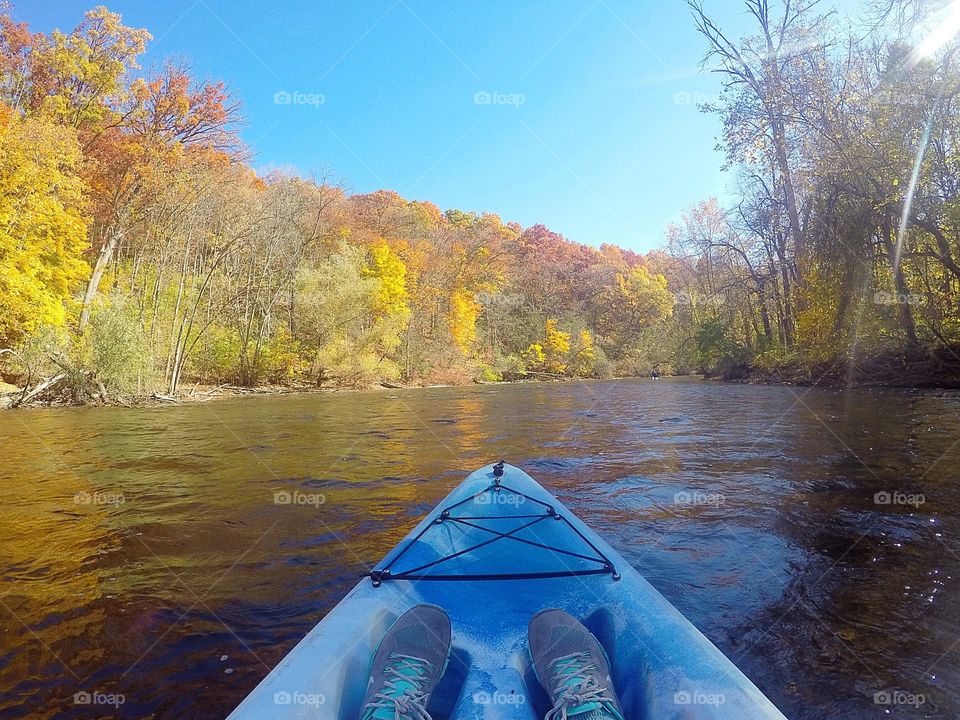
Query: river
[[811, 534]]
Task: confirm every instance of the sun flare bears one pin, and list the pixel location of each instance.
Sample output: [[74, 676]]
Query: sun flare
[[945, 30]]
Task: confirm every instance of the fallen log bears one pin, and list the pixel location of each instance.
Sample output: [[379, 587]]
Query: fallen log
[[42, 387]]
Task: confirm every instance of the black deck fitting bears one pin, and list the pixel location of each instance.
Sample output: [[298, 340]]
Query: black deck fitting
[[498, 469]]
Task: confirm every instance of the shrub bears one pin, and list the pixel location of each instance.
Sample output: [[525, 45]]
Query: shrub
[[113, 345], [216, 357]]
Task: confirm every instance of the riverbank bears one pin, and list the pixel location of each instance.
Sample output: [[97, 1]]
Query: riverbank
[[901, 369], [10, 395]]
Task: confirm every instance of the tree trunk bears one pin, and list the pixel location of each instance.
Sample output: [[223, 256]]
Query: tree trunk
[[764, 313], [900, 284], [789, 194], [103, 259], [788, 324]]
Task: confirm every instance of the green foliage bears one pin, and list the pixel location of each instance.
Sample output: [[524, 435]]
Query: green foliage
[[778, 360], [113, 344], [343, 318], [720, 353], [488, 374], [216, 359], [36, 352]]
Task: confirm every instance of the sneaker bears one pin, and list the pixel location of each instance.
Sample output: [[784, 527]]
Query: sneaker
[[572, 667], [407, 666]]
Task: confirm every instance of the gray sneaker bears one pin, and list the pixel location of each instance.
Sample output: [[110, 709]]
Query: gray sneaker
[[407, 666], [572, 667]]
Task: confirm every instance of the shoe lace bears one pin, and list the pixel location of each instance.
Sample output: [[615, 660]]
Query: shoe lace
[[574, 685], [402, 689]]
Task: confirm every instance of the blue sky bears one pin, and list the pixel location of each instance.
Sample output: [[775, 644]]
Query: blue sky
[[579, 115]]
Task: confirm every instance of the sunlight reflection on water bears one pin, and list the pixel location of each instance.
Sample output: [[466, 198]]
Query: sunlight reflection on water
[[753, 511]]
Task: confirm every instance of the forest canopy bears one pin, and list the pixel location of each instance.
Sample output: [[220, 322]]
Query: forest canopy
[[140, 251]]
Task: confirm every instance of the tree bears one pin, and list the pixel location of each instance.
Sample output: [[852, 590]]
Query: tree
[[82, 79], [42, 227], [637, 300], [17, 51], [764, 83], [163, 122]]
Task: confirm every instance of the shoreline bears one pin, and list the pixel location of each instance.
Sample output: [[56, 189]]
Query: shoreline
[[827, 378], [205, 393]]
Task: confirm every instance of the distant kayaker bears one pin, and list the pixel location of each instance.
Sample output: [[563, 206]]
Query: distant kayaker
[[568, 660]]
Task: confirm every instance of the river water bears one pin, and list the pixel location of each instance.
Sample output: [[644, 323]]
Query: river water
[[812, 535]]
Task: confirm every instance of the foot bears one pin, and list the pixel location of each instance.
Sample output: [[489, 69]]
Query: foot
[[572, 667], [407, 666]]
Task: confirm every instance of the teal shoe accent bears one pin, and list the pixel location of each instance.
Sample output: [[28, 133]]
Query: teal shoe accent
[[402, 695], [576, 691]]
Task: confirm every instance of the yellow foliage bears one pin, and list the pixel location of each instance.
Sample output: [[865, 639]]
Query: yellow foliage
[[584, 355], [645, 293], [464, 310], [554, 353], [637, 300], [42, 229], [88, 69], [817, 337], [556, 346], [391, 273], [534, 355], [586, 346]]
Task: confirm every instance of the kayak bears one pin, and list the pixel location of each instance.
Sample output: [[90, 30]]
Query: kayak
[[496, 551]]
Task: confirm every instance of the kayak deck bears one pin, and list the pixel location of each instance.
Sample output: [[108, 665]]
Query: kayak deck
[[502, 513], [496, 558]]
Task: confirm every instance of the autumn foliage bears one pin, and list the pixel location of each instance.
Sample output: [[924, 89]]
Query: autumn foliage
[[140, 251], [838, 255]]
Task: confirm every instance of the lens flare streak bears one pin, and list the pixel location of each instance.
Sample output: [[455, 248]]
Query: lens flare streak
[[912, 187]]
